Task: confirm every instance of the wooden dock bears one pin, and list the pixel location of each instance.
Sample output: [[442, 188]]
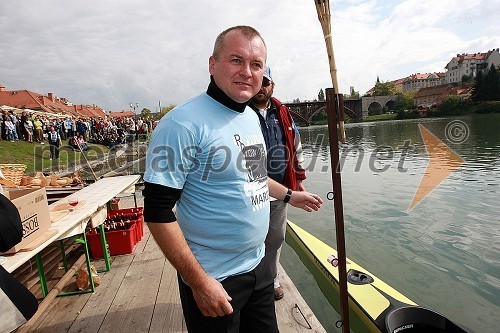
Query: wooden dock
[[140, 294]]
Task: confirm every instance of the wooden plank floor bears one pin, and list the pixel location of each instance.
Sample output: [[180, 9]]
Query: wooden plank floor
[[140, 294]]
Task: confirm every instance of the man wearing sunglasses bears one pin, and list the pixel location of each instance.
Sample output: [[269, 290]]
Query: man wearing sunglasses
[[284, 165]]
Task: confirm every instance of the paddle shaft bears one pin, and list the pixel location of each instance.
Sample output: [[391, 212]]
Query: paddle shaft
[[86, 160], [47, 301], [334, 102]]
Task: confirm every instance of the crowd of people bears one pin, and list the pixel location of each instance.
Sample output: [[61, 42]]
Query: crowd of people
[[35, 127]]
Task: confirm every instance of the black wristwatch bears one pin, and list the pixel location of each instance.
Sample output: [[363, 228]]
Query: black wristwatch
[[288, 196]]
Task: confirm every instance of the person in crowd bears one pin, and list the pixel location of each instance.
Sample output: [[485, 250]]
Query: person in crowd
[[3, 130], [38, 128], [15, 121], [81, 125], [284, 165], [54, 143], [208, 157], [74, 127], [28, 127], [46, 126], [22, 127], [82, 143], [61, 128], [88, 134], [68, 126], [10, 129], [145, 129]]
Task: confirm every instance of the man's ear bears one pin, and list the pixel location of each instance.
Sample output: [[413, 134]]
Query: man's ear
[[211, 64]]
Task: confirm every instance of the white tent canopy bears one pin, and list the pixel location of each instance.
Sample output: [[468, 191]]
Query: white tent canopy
[[18, 111]]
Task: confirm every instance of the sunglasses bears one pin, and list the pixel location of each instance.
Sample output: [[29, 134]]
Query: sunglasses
[[266, 82]]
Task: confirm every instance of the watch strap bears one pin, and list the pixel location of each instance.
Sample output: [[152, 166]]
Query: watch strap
[[288, 196]]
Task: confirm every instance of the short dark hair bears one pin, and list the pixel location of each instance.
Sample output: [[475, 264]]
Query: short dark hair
[[246, 30]]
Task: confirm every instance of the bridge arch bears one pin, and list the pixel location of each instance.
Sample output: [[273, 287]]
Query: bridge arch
[[374, 108], [385, 103], [390, 106]]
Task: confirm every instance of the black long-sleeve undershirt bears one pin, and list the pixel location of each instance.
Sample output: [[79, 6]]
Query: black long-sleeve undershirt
[[159, 201]]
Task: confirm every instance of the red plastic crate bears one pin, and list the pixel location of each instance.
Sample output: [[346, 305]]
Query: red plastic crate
[[139, 223], [130, 212], [119, 242]]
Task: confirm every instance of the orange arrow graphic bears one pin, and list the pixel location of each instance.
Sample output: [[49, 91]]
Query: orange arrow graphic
[[442, 162]]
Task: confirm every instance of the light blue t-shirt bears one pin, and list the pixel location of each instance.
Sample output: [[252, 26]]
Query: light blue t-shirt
[[217, 156]]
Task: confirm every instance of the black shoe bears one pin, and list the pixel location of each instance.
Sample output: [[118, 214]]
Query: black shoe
[[278, 293]]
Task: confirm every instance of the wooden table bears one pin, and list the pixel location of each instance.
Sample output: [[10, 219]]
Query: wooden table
[[96, 197]]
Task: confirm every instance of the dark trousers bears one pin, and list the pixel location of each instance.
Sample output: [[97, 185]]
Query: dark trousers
[[54, 150], [252, 296]]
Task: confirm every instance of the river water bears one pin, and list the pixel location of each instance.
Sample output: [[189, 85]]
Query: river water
[[444, 253]]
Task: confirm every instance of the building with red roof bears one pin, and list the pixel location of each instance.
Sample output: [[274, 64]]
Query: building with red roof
[[417, 81], [25, 99], [469, 64], [432, 96], [399, 85]]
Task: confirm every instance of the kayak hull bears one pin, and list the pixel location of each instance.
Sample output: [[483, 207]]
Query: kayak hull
[[373, 304]]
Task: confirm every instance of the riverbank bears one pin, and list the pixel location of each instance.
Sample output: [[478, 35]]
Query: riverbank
[[448, 108], [37, 156]]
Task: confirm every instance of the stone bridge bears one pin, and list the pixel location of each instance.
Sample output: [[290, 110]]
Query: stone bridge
[[378, 104], [357, 109]]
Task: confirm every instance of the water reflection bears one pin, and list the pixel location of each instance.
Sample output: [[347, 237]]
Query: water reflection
[[445, 252]]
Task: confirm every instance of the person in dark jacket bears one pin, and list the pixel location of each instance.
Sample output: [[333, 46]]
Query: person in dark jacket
[[54, 142], [284, 165]]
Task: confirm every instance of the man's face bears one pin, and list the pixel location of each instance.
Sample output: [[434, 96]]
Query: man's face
[[239, 68], [265, 92]]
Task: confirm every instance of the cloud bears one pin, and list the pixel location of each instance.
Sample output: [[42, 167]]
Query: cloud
[[112, 53]]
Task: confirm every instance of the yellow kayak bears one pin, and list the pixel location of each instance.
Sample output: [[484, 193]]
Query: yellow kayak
[[374, 306]]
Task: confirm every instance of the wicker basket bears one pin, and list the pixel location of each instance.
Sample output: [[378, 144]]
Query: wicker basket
[[13, 172]]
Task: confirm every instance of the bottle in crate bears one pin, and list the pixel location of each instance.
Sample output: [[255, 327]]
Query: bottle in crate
[[118, 241]]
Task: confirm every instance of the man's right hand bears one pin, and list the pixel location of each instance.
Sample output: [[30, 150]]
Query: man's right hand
[[212, 298], [209, 294]]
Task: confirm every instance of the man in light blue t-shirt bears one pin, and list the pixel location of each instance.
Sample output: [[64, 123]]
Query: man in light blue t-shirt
[[208, 156]]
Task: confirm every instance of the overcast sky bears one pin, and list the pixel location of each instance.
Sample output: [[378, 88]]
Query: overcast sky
[[112, 53]]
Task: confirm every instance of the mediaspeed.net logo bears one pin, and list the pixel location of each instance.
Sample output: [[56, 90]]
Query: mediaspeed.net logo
[[442, 159]]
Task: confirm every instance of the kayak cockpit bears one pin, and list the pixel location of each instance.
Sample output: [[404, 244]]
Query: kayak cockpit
[[413, 319]]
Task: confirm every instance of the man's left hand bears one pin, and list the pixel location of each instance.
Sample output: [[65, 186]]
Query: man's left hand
[[305, 200]]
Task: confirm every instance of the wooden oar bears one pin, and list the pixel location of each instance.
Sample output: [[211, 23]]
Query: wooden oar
[[86, 160], [334, 109]]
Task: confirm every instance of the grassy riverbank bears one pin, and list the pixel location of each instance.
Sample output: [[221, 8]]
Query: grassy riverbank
[[378, 117], [37, 156]]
